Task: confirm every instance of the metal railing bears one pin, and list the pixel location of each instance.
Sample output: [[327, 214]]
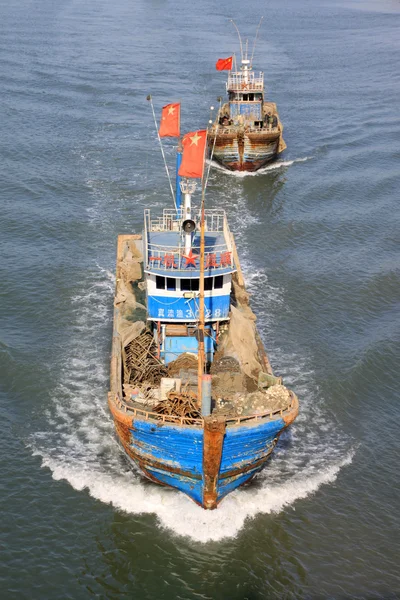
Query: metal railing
[[172, 258], [233, 129], [245, 81], [171, 220], [148, 414]]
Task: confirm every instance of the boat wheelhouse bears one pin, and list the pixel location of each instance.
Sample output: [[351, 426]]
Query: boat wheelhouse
[[172, 275], [247, 133]]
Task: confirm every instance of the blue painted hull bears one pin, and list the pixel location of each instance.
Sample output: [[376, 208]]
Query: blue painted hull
[[173, 454]]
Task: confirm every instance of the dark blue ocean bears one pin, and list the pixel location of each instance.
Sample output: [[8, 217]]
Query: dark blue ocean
[[318, 236]]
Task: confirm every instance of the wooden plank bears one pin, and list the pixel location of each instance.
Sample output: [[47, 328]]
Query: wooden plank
[[176, 329]]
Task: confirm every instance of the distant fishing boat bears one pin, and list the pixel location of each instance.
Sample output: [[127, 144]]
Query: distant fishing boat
[[247, 133], [195, 403]]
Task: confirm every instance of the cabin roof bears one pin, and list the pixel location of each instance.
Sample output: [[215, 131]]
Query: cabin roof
[[165, 247]]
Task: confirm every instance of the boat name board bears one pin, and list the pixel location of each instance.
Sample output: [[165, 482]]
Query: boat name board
[[187, 309]]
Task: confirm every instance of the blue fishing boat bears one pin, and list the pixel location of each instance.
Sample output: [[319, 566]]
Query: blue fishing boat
[[195, 403], [247, 133]]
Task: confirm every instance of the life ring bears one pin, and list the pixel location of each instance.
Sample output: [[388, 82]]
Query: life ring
[[245, 86]]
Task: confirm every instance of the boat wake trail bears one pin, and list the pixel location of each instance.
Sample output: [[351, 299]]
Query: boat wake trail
[[278, 164], [78, 444]]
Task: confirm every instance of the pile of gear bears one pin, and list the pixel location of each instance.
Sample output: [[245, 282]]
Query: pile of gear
[[185, 362], [141, 363], [275, 398], [179, 404]]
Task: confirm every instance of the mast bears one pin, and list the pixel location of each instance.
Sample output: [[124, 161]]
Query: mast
[[201, 361], [195, 169], [187, 215], [178, 178], [187, 187]]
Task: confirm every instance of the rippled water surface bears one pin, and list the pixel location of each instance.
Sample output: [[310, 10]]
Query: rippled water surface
[[317, 234]]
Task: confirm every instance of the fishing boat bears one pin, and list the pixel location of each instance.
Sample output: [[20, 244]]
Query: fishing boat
[[194, 400], [247, 133]]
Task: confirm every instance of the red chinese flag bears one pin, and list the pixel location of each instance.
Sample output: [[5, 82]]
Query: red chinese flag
[[224, 64], [194, 146], [170, 124]]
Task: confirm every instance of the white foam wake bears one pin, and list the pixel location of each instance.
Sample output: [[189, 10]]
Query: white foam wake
[[278, 164], [128, 493]]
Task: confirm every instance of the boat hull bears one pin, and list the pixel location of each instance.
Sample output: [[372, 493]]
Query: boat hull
[[245, 151], [205, 461], [203, 457]]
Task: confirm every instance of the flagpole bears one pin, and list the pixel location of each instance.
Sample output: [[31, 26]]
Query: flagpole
[[150, 99]]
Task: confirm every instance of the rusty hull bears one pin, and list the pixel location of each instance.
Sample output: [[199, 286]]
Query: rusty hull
[[242, 151], [205, 462], [214, 431]]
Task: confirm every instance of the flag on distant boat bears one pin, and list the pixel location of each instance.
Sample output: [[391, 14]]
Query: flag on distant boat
[[170, 123], [224, 64], [194, 145]]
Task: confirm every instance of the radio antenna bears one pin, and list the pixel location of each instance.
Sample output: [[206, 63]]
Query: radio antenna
[[255, 40], [240, 39]]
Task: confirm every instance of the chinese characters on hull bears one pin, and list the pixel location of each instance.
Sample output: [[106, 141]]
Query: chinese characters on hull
[[188, 314]]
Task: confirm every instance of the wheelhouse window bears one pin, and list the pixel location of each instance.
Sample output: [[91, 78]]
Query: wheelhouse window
[[190, 285], [218, 282], [208, 284], [160, 282], [171, 284]]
